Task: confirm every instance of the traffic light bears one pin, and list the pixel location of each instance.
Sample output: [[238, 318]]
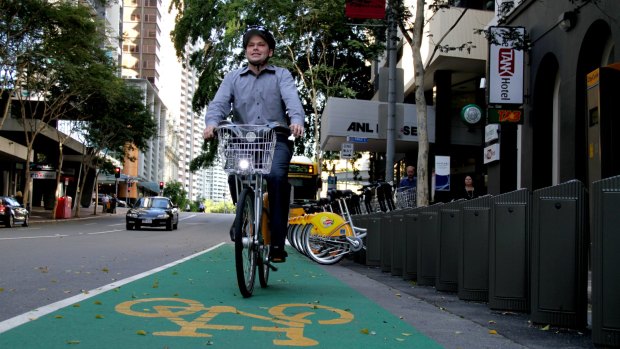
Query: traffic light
[[117, 172], [161, 185]]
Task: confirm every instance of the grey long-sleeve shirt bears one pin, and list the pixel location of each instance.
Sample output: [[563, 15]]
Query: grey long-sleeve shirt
[[257, 100]]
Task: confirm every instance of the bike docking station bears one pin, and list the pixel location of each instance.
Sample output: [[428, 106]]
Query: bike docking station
[[326, 237]]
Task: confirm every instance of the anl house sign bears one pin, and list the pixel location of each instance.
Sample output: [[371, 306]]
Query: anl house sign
[[471, 114], [506, 65]]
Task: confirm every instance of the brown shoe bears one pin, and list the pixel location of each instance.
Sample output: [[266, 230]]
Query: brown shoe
[[278, 255]]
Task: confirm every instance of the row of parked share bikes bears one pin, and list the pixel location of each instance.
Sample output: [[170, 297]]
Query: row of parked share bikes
[[324, 230]]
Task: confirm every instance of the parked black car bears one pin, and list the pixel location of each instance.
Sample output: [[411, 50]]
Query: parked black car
[[153, 211], [11, 212]]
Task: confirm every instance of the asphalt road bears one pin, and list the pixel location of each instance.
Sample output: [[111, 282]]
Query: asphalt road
[[47, 262]]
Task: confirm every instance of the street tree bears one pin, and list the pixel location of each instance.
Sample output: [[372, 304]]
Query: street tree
[[119, 123], [52, 62], [177, 194]]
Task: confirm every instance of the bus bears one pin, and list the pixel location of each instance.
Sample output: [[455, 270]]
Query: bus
[[303, 175]]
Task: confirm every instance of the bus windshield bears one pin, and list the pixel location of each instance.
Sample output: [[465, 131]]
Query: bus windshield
[[303, 175]]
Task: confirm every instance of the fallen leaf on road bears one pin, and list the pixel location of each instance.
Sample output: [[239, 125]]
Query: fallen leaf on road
[[546, 328], [98, 316], [364, 331], [105, 270], [141, 332]]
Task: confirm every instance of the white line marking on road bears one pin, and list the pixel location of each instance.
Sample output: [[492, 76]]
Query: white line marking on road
[[105, 232], [44, 310], [35, 237]]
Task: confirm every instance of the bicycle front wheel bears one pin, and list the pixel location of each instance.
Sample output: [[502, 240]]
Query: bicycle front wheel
[[324, 249], [245, 248]]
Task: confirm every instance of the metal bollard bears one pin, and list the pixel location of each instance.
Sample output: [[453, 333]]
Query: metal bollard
[[448, 250], [509, 262], [559, 256], [428, 244], [398, 235], [473, 282], [410, 244], [373, 240], [605, 262]]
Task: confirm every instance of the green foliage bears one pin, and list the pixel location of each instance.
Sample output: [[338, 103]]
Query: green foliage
[[120, 120], [175, 191], [206, 157], [219, 207]]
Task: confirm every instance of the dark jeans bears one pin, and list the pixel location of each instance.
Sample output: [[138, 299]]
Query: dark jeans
[[279, 191]]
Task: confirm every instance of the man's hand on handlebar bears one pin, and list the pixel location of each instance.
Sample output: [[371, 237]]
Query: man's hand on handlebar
[[208, 132], [297, 130]]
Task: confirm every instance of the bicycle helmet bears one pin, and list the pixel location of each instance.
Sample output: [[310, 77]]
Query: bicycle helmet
[[260, 31]]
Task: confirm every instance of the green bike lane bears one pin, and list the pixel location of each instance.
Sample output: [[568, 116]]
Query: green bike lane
[[196, 303]]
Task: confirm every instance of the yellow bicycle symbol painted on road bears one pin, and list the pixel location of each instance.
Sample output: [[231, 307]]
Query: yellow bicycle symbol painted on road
[[289, 319]]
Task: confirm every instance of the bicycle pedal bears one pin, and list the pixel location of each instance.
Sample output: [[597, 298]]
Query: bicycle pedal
[[272, 267]]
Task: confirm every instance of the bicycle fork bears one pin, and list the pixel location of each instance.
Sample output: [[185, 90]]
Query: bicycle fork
[[261, 223]]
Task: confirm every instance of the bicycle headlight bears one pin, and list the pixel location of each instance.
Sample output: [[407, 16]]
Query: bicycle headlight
[[243, 164]]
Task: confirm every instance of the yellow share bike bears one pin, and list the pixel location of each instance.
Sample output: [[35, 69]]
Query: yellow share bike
[[326, 237]]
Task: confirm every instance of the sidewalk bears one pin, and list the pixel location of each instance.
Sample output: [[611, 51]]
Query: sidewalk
[[39, 214], [460, 317]]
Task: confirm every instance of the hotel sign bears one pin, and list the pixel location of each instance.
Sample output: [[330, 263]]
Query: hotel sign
[[505, 66]]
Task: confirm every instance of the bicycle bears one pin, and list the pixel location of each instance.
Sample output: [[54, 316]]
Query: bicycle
[[326, 237], [247, 153]]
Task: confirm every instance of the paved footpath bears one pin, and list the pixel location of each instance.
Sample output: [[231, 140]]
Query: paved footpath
[[195, 303]]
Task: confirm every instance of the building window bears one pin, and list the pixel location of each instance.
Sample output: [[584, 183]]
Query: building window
[[131, 48], [135, 18]]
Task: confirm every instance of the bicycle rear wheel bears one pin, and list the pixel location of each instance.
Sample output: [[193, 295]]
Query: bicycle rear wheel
[[245, 249]]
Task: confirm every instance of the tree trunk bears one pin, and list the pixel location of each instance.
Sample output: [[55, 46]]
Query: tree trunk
[[420, 100], [58, 171]]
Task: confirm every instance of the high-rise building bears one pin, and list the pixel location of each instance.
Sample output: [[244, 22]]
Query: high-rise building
[[141, 58], [148, 54]]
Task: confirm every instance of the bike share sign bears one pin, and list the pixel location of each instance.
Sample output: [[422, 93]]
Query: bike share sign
[[346, 151]]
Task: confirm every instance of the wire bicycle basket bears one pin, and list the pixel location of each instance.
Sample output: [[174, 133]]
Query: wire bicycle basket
[[406, 197], [246, 149]]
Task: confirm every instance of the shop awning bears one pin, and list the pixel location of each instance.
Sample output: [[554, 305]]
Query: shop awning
[[150, 186], [365, 123]]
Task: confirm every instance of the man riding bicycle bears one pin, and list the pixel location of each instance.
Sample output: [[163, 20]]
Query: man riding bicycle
[[260, 94]]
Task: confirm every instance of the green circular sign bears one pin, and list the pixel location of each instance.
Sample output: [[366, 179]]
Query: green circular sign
[[471, 114]]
